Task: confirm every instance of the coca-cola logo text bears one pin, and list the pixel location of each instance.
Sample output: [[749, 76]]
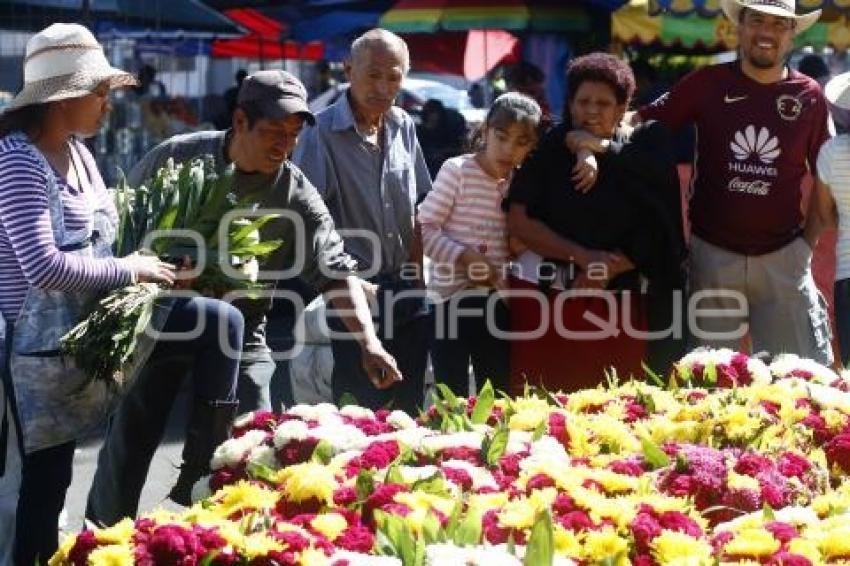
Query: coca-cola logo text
[[754, 187]]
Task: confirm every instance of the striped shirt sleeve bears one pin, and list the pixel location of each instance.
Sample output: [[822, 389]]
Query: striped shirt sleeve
[[25, 219], [434, 212]]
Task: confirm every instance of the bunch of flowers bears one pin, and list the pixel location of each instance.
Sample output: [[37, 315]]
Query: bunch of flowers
[[753, 470]]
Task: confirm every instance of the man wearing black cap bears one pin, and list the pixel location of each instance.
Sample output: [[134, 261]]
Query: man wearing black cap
[[271, 111]]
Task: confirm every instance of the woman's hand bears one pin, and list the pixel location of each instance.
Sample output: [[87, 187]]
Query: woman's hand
[[585, 172], [600, 267], [148, 268], [579, 139]]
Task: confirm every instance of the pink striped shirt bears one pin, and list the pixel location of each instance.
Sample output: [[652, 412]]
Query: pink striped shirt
[[463, 209]]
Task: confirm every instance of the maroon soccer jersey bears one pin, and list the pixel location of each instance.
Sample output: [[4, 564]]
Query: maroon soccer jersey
[[755, 142]]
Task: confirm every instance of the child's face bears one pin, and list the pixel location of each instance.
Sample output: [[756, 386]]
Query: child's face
[[506, 149]]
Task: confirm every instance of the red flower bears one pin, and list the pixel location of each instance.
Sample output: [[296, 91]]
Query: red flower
[[563, 504], [838, 452], [576, 521], [752, 465], [345, 496], [739, 362], [463, 453], [539, 481], [793, 465], [783, 558], [296, 451], [83, 546], [727, 376], [493, 533], [377, 455], [172, 544], [634, 412], [643, 560], [382, 496], [645, 528], [627, 468], [227, 476], [509, 463], [817, 423], [558, 429], [356, 539], [263, 420], [458, 476], [679, 522], [783, 532]]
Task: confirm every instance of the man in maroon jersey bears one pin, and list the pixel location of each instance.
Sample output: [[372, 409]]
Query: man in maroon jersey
[[759, 126]]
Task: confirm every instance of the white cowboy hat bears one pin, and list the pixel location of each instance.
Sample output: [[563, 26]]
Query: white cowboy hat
[[65, 61], [837, 92], [783, 8]]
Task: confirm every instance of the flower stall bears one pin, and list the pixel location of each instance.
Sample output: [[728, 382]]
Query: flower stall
[[729, 461]]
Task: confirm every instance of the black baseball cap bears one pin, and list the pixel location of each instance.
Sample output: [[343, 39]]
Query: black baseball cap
[[277, 94]]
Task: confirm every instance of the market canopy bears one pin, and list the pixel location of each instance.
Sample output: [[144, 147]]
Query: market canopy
[[426, 16], [266, 39], [170, 14], [633, 24]]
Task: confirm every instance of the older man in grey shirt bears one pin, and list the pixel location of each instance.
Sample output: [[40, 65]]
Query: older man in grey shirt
[[365, 160]]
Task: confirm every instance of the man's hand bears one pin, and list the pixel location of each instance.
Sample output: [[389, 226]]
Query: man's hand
[[379, 365], [585, 172]]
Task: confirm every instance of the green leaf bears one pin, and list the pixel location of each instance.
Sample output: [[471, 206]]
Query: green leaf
[[431, 531], [540, 550], [364, 485], [653, 377], [709, 374], [323, 452], [434, 485], [242, 233], [497, 445], [394, 475], [347, 399], [256, 250], [468, 531], [539, 430], [767, 512], [483, 404], [448, 395], [261, 472], [653, 455]]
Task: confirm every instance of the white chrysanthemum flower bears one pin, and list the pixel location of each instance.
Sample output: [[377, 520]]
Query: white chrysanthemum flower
[[829, 397], [201, 489], [313, 412], [412, 474], [454, 440], [784, 364], [330, 419], [233, 451], [341, 437], [440, 554], [518, 441], [243, 420], [288, 431], [797, 516], [401, 420], [263, 455], [759, 371], [357, 412]]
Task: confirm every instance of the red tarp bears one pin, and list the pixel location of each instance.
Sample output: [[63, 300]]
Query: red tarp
[[264, 40], [462, 53]]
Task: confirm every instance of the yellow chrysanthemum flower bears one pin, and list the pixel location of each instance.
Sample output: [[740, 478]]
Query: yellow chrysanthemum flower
[[739, 424], [313, 557], [119, 533], [530, 412], [241, 496], [567, 543], [614, 482], [256, 545], [606, 544], [306, 481], [835, 420], [419, 500], [331, 525], [112, 555], [521, 513], [675, 548], [580, 400], [835, 542], [752, 542], [483, 502], [581, 442], [61, 555], [807, 548], [740, 481]]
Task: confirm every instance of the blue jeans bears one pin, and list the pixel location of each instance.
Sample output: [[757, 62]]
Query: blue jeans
[[408, 342], [137, 428]]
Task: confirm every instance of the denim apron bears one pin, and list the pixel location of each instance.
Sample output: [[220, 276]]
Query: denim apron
[[56, 402]]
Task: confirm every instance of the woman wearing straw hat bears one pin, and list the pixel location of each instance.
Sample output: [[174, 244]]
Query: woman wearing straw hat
[[57, 223]]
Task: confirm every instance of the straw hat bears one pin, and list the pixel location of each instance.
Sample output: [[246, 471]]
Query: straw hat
[[782, 8], [65, 61], [837, 92]]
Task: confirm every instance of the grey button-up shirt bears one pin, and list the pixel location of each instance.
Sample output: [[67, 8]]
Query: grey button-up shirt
[[365, 187]]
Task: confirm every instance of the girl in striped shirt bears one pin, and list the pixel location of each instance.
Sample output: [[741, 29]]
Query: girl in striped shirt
[[464, 231]]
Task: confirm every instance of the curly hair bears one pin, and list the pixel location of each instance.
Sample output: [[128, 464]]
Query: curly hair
[[604, 68]]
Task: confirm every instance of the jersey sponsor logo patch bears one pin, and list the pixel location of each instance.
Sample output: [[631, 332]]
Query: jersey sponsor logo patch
[[730, 99], [751, 143], [788, 107]]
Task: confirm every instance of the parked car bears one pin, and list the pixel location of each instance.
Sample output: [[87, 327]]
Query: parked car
[[414, 94]]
